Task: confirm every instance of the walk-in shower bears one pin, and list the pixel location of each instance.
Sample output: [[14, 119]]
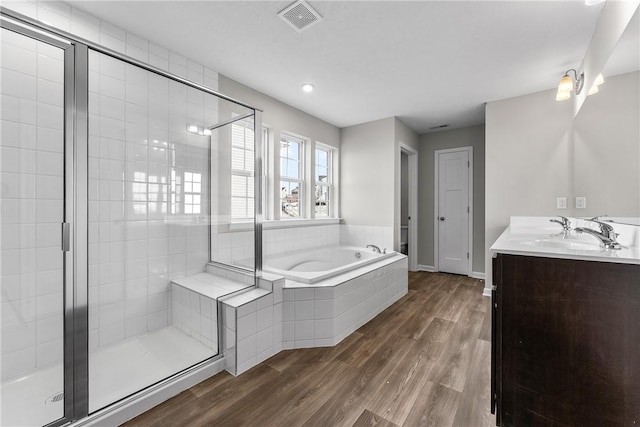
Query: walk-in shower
[[116, 178]]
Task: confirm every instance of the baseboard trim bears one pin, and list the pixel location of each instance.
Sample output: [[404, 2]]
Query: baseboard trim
[[429, 268], [477, 275], [486, 292]]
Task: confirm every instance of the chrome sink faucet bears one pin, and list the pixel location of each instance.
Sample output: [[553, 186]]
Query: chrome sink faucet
[[606, 235], [564, 222], [375, 248]]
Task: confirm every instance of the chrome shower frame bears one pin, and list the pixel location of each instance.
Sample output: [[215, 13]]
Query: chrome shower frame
[[76, 342]]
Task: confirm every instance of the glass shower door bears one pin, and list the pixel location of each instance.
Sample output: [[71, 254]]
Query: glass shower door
[[32, 198]]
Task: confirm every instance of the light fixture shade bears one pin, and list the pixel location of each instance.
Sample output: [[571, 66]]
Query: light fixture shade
[[566, 84], [599, 80], [563, 95]]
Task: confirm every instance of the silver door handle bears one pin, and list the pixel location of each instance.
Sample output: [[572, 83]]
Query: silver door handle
[[441, 218]]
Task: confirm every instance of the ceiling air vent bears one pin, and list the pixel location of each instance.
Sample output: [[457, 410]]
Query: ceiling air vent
[[300, 15]]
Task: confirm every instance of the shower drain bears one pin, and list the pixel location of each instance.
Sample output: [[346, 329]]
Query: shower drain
[[58, 397]]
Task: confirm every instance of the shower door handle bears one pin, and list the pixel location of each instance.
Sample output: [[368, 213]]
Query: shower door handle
[[66, 237]]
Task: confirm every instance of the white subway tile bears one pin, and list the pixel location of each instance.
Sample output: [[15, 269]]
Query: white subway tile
[[302, 294], [264, 340], [304, 330], [288, 331], [246, 349], [265, 318], [19, 362], [18, 337], [304, 310], [247, 325]]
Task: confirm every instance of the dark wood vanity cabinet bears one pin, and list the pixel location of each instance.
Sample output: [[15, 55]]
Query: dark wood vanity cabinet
[[565, 342]]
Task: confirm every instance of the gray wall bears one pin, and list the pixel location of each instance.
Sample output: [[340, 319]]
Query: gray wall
[[405, 134], [473, 136]]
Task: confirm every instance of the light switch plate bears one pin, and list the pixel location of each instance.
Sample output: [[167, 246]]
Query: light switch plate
[[581, 202], [561, 203]]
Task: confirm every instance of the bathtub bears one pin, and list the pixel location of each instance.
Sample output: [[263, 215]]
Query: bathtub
[[318, 264]]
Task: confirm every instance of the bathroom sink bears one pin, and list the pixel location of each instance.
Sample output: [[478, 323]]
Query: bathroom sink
[[563, 244]]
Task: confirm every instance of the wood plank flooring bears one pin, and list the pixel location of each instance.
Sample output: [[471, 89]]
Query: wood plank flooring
[[425, 361]]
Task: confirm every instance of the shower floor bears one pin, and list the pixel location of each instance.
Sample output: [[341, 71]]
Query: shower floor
[[115, 372]]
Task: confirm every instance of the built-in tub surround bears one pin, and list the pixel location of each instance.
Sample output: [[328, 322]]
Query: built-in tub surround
[[362, 235], [324, 313], [319, 264], [235, 244], [285, 314]]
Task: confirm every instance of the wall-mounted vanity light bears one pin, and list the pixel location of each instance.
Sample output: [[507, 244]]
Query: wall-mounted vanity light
[[566, 85]]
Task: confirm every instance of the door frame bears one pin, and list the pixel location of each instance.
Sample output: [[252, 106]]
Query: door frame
[[412, 155], [436, 207]]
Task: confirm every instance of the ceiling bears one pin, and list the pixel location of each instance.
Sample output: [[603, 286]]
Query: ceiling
[[426, 62]]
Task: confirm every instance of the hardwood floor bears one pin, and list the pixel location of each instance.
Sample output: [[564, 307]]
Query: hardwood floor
[[425, 361]]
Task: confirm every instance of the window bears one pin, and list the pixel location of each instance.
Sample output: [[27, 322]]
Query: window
[[192, 189], [322, 175], [291, 182], [242, 163]]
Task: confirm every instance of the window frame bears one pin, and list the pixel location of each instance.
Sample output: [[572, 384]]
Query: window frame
[[243, 173], [328, 184], [303, 143]]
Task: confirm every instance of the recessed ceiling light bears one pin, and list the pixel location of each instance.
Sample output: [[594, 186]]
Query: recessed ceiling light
[[307, 87]]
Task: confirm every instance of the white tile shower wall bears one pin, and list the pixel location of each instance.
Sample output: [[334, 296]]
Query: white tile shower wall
[[196, 315], [31, 201], [138, 145], [142, 165], [234, 247], [361, 235]]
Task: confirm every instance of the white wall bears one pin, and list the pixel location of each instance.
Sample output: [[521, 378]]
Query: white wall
[[536, 152], [367, 173], [528, 161], [607, 149], [368, 183], [279, 118]]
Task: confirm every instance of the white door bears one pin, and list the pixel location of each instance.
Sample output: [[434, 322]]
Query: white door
[[453, 212]]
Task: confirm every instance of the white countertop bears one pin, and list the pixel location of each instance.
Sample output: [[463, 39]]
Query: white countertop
[[536, 236]]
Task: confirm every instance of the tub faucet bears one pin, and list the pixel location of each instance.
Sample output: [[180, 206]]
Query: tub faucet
[[564, 222], [375, 248], [606, 235]]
